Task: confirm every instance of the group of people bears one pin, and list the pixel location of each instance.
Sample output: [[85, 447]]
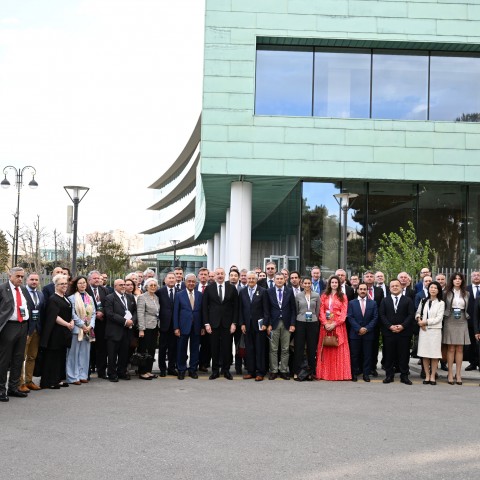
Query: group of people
[[75, 327]]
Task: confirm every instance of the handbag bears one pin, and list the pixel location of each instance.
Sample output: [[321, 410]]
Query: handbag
[[330, 339]]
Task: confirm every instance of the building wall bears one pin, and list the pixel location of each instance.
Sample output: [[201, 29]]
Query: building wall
[[235, 142]]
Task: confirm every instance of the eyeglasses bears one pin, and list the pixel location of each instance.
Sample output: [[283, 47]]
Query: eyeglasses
[[59, 284], [270, 268]]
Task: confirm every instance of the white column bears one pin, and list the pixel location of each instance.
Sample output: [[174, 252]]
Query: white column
[[216, 250], [227, 240], [241, 224], [223, 241], [210, 254]]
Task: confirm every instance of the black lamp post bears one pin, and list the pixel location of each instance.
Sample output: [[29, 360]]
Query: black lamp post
[[19, 184], [174, 244], [76, 196], [343, 199]]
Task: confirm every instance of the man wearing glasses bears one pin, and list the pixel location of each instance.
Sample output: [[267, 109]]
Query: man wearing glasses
[[269, 282]]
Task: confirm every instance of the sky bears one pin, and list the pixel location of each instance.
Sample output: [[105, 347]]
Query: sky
[[97, 93]]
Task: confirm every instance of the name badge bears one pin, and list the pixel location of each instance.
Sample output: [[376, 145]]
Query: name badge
[[308, 316], [457, 313], [22, 311], [35, 315]]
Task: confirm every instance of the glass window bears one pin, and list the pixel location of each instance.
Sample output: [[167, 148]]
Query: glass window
[[473, 258], [400, 86], [454, 88], [284, 82], [342, 84]]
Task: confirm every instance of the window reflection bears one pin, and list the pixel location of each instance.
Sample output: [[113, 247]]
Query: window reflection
[[342, 84], [284, 82], [454, 88], [400, 87]]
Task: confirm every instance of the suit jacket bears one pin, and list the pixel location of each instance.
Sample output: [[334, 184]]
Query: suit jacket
[[410, 292], [418, 298], [218, 313], [357, 320], [7, 304], [166, 307], [115, 315], [252, 311], [476, 316], [320, 287], [302, 306], [48, 290], [471, 301], [183, 314], [349, 292], [387, 290], [287, 312], [435, 316], [35, 325], [403, 316], [264, 283], [377, 295]]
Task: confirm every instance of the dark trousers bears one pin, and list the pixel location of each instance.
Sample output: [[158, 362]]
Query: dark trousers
[[238, 359], [13, 339], [53, 368], [101, 352], [361, 348], [205, 351], [255, 346], [471, 351], [182, 348], [396, 348], [148, 344], [221, 343], [167, 346], [118, 355], [306, 334], [375, 347]]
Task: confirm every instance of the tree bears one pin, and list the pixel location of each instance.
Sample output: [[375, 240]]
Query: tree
[[31, 239], [402, 252], [4, 256], [110, 256], [468, 117]]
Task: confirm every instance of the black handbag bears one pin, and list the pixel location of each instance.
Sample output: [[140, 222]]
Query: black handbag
[[140, 359]]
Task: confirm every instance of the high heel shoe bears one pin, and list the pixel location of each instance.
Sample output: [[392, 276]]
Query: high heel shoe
[[451, 382], [458, 383]]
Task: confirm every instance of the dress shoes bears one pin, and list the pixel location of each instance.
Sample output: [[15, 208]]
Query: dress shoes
[[141, 377], [366, 378], [443, 366], [17, 393], [4, 397], [272, 376], [78, 382], [173, 372], [113, 379], [23, 388], [163, 373], [374, 373], [203, 369], [83, 381], [388, 380], [406, 381], [433, 382], [181, 375], [423, 374], [284, 376], [238, 371], [32, 386], [213, 376], [193, 374], [248, 376], [354, 378], [103, 376], [64, 384], [125, 377], [470, 367], [259, 378], [228, 375]]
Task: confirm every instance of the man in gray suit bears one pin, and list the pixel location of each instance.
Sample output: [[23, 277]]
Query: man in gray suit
[[14, 318]]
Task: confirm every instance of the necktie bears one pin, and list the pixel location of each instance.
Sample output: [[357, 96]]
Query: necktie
[[362, 303], [192, 299], [220, 294], [279, 295], [35, 298], [396, 303], [370, 293], [171, 295], [95, 292], [19, 304], [251, 293], [177, 287], [124, 302], [203, 288], [271, 283], [477, 292]]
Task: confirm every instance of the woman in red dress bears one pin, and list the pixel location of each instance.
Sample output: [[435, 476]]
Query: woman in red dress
[[333, 363]]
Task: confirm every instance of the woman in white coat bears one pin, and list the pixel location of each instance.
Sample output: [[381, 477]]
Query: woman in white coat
[[429, 317]]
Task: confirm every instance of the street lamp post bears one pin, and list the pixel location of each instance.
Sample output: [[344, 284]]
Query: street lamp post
[[19, 184], [174, 244], [343, 199], [76, 196]]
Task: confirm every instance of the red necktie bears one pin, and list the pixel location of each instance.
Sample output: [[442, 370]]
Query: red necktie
[[370, 293], [19, 304], [203, 288]]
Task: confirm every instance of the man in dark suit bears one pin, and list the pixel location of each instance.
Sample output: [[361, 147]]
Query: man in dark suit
[[254, 307], [107, 287], [471, 351], [420, 285], [120, 314], [405, 282], [476, 322], [271, 270], [98, 355], [168, 340], [220, 318], [187, 326], [397, 318], [346, 289], [380, 283], [205, 355], [295, 282], [318, 285], [363, 317], [49, 289], [36, 308], [282, 313], [14, 317], [179, 283]]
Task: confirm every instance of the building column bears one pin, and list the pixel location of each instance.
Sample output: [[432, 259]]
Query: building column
[[223, 243], [227, 240], [210, 254], [216, 250], [241, 228]]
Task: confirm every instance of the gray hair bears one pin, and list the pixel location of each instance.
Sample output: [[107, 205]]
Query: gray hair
[[58, 277], [252, 272], [149, 281], [148, 270], [14, 270], [190, 275], [89, 276]]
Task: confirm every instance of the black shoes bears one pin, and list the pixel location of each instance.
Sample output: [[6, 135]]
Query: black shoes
[[284, 376], [354, 378], [405, 380], [272, 376], [124, 377], [374, 373], [4, 397], [163, 373], [193, 374], [470, 367], [17, 393], [366, 378], [388, 380], [113, 379], [228, 375], [213, 376], [171, 372], [181, 375]]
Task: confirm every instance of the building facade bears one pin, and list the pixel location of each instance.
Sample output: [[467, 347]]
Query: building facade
[[304, 99]]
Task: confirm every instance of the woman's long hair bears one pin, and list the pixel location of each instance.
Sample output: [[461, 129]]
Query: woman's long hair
[[328, 290]]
